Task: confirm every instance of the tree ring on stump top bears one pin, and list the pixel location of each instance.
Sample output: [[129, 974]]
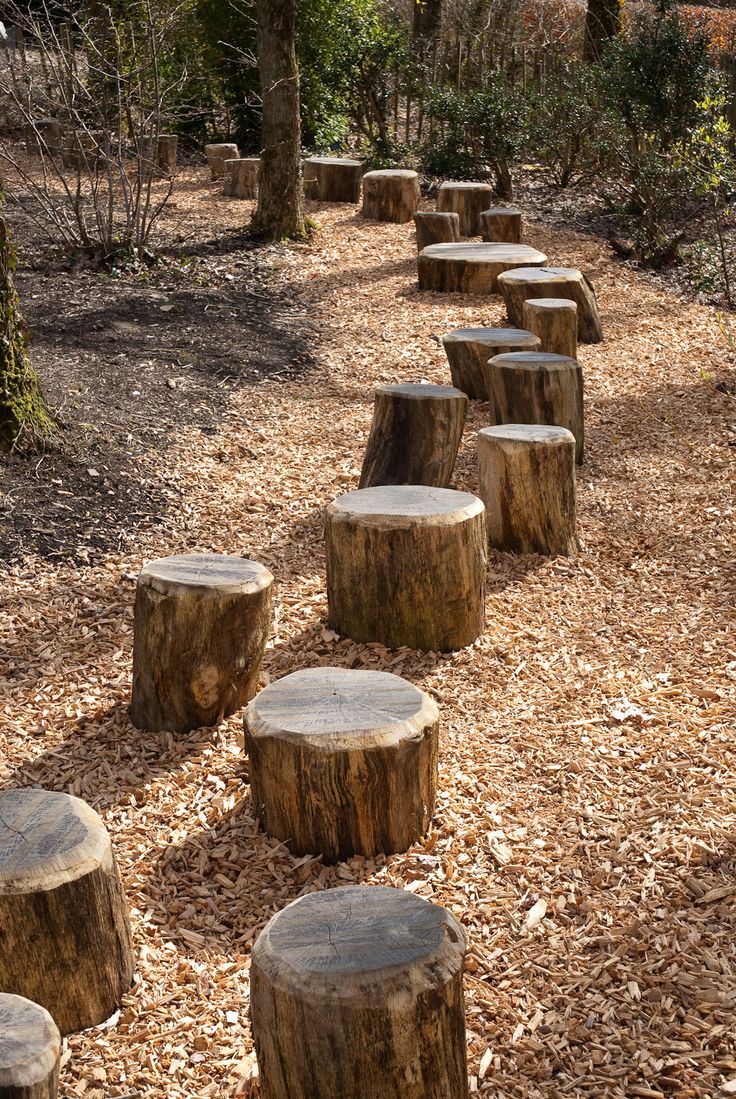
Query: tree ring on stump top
[[47, 838], [405, 505], [217, 572], [535, 360], [421, 390], [523, 434], [30, 1043], [495, 337]]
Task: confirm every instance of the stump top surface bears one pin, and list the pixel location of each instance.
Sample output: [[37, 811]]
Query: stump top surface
[[483, 252], [46, 838], [218, 148], [440, 215], [540, 273], [464, 185], [422, 391], [358, 930], [340, 708], [343, 162], [553, 303], [391, 173], [502, 211], [205, 571], [528, 433], [406, 505], [30, 1042], [493, 337], [534, 360]]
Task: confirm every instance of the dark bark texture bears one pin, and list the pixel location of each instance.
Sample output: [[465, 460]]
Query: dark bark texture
[[538, 388]]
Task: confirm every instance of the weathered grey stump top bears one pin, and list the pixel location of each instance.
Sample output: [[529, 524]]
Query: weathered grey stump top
[[405, 505], [525, 434], [534, 360], [205, 571], [540, 273], [30, 1043], [553, 303], [494, 337], [422, 391], [391, 173], [484, 252], [343, 162], [453, 185]]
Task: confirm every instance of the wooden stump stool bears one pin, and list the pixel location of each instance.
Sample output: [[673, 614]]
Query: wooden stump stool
[[467, 200], [555, 321], [241, 177], [30, 1050], [435, 228], [159, 155], [552, 282], [501, 223], [469, 349], [471, 268], [332, 179], [343, 762], [44, 137], [527, 482], [356, 993], [217, 154], [201, 624], [391, 195], [532, 387], [406, 566], [64, 934], [415, 435]]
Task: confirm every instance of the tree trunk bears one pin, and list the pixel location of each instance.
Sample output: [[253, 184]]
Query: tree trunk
[[531, 387], [280, 209], [343, 762], [64, 934], [434, 227], [471, 268], [519, 285], [602, 23], [555, 321], [468, 200], [30, 1050], [469, 349], [356, 993], [415, 435]]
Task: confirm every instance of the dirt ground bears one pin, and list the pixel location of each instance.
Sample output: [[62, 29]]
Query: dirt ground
[[587, 748]]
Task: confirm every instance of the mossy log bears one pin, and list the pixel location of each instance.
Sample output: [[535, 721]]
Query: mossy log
[[555, 321], [64, 934], [356, 993], [217, 153], [241, 177], [467, 200], [30, 1050], [526, 475], [472, 268], [469, 349], [343, 762], [332, 179], [415, 435], [436, 228], [501, 223], [390, 195], [534, 387], [539, 281]]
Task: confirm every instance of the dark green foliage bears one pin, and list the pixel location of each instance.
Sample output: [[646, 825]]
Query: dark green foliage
[[571, 124]]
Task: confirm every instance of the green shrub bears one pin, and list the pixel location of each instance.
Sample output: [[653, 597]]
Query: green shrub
[[571, 126]]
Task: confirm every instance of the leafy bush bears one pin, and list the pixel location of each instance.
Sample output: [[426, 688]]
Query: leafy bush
[[571, 126]]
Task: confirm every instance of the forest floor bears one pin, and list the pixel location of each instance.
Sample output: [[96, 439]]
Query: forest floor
[[587, 739]]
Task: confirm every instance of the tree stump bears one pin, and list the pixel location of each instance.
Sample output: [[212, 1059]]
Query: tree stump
[[201, 624], [435, 228], [160, 158], [469, 349], [356, 993], [217, 154], [84, 149], [501, 223], [406, 566], [471, 268], [467, 200], [532, 387], [64, 934], [415, 435], [552, 282], [332, 179], [30, 1050], [44, 137], [527, 483], [555, 321], [343, 762], [391, 195], [241, 177]]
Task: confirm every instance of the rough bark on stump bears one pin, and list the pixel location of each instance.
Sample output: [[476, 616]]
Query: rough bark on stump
[[471, 268], [552, 282], [526, 475], [64, 933], [201, 624], [436, 228], [501, 223], [390, 195], [534, 387], [343, 762], [241, 177], [406, 566], [332, 179], [555, 321], [469, 349], [415, 435], [44, 137], [217, 154], [467, 200], [30, 1050], [356, 993]]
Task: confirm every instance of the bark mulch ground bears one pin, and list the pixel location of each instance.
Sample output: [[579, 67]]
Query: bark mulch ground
[[585, 832]]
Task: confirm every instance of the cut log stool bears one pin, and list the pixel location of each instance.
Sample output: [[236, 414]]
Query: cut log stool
[[501, 223], [159, 155], [555, 321], [241, 177], [469, 349], [467, 200], [415, 435], [539, 281], [533, 387], [201, 624], [527, 482], [343, 762], [332, 179], [390, 195], [217, 154], [64, 934], [406, 566], [436, 228], [30, 1050], [471, 268], [356, 993], [44, 137]]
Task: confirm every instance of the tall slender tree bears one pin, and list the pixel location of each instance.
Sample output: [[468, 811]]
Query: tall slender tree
[[602, 23], [280, 209]]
